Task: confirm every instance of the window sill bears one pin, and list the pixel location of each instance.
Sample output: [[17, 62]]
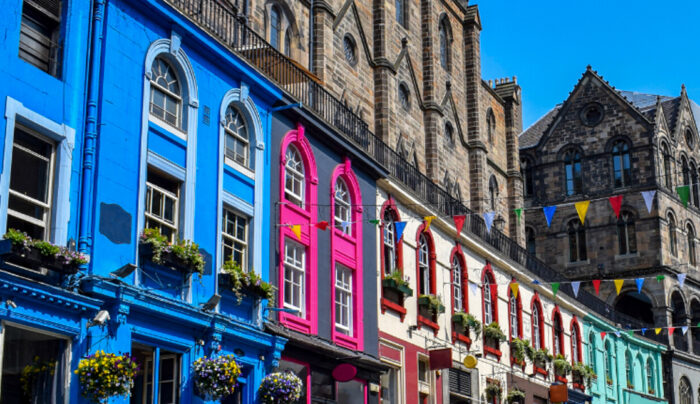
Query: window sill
[[295, 208], [389, 305], [560, 379], [346, 341], [339, 233], [580, 387], [295, 323], [240, 168], [493, 351], [461, 338], [168, 127], [539, 371], [577, 264], [422, 321]]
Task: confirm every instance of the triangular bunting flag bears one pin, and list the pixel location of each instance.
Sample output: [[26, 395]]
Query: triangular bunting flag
[[514, 289], [684, 329], [596, 286], [582, 208], [296, 229], [549, 213], [555, 288], [459, 222], [323, 225], [428, 220], [631, 333], [618, 284], [660, 277], [575, 285], [639, 282], [399, 226], [344, 225], [488, 219], [657, 331], [536, 282], [684, 194], [617, 333], [671, 330], [648, 199], [473, 287], [616, 203], [518, 213], [644, 330], [602, 334], [681, 279], [375, 222]]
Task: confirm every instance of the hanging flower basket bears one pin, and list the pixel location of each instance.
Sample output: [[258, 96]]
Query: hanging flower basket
[[280, 388], [104, 375], [216, 378], [493, 390]]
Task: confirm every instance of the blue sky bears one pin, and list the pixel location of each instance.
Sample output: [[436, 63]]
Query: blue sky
[[639, 46]]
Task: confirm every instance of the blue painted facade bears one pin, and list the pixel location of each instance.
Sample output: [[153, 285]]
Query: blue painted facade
[[109, 146]]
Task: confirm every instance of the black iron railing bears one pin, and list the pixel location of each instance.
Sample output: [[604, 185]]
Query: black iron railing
[[217, 18]]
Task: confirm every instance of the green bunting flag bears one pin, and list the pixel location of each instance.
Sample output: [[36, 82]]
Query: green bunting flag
[[555, 288], [374, 222], [631, 333], [684, 194], [660, 277], [518, 213]]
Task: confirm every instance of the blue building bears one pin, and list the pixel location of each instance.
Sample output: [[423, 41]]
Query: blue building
[[122, 117]]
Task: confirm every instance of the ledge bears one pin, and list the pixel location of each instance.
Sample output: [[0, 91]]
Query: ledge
[[461, 338], [538, 370], [493, 351], [389, 305], [422, 321]]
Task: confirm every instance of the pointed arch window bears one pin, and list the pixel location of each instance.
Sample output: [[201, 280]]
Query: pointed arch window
[[694, 194], [530, 241], [294, 180], [444, 34], [572, 172], [515, 315], [691, 244], [488, 301], [493, 192], [592, 351], [672, 240], [628, 368], [537, 324], [577, 241], [490, 124], [389, 248], [651, 382], [237, 140], [685, 394], [275, 26], [609, 362], [166, 93], [288, 43], [526, 171], [557, 333], [621, 164], [685, 171], [343, 207], [666, 155], [575, 342], [401, 12], [626, 235]]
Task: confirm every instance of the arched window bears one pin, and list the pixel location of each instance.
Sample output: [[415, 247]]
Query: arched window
[[457, 291], [166, 94], [572, 172], [343, 207], [288, 43], [390, 262], [490, 124], [685, 171], [577, 241], [626, 236], [651, 377], [693, 184], [530, 241], [609, 363], [526, 171], [401, 12], [515, 314], [575, 342], [423, 266], [621, 164], [237, 140], [444, 34], [691, 244], [294, 180], [673, 242], [557, 332], [685, 394], [275, 26], [493, 192], [668, 178], [349, 49], [404, 96], [628, 368], [449, 133], [489, 296], [592, 351], [537, 323], [689, 139]]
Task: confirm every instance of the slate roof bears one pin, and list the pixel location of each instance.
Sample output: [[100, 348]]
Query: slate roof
[[531, 136]]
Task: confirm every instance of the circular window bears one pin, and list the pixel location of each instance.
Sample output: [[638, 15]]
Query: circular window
[[404, 96], [349, 49], [592, 114], [689, 138]]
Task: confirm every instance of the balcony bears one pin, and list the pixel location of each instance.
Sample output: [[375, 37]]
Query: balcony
[[217, 18]]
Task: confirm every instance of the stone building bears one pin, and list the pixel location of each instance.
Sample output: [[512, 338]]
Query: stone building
[[600, 143]]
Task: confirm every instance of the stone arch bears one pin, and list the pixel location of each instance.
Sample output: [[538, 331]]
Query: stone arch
[[635, 304], [695, 319], [288, 26], [679, 317]]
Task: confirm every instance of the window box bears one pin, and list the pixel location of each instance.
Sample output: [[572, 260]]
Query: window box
[[242, 282], [391, 285], [540, 368], [395, 290], [182, 256], [561, 379], [31, 257], [168, 259], [429, 306]]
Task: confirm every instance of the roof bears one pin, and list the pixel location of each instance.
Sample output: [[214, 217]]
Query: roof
[[532, 135]]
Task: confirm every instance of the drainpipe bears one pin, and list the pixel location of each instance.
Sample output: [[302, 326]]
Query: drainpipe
[[88, 172]]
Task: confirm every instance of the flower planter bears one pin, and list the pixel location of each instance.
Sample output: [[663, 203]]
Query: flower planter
[[167, 259], [392, 285], [226, 282], [31, 258], [424, 304]]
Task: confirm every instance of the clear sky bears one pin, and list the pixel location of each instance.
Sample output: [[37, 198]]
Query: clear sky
[[644, 46]]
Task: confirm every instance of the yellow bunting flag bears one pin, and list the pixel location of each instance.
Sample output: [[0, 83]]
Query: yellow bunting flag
[[618, 284], [514, 289], [582, 208], [296, 229], [657, 331], [428, 219]]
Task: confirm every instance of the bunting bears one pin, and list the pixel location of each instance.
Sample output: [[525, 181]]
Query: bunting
[[518, 213], [657, 331], [575, 286], [459, 222], [428, 220], [671, 330], [618, 285], [596, 286], [536, 282], [488, 218], [473, 287], [549, 213], [514, 289], [344, 226], [602, 335], [617, 333], [323, 225], [555, 288], [616, 203], [648, 199], [644, 331], [399, 226], [684, 329], [681, 279], [374, 222], [582, 208], [296, 229], [640, 282], [683, 193], [660, 278]]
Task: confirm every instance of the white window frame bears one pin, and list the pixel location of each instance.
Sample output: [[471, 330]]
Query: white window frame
[[424, 265], [514, 322], [64, 137], [389, 244], [344, 298], [536, 328], [574, 345], [68, 353], [457, 291], [297, 177], [178, 129], [232, 238], [297, 264], [148, 379], [176, 214], [488, 304], [342, 211], [245, 142]]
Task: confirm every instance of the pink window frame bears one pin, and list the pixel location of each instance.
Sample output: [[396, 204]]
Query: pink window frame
[[556, 318], [307, 382], [422, 321], [540, 317], [291, 214], [346, 249]]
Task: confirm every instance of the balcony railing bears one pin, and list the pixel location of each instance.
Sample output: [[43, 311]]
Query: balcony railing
[[217, 18]]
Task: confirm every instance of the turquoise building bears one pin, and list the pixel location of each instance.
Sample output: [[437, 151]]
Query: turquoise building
[[628, 367]]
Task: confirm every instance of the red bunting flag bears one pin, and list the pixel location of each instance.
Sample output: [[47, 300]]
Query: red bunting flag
[[671, 330], [616, 203], [459, 222], [602, 335], [596, 286], [323, 225]]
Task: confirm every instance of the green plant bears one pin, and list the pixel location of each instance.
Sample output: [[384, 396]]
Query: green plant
[[216, 377], [249, 281], [562, 367], [630, 385], [493, 390], [540, 357], [397, 277], [468, 321], [401, 283], [18, 238], [652, 391], [46, 249], [515, 396], [432, 302], [157, 241], [185, 250], [104, 375], [519, 348], [280, 387], [493, 332], [585, 372], [608, 380]]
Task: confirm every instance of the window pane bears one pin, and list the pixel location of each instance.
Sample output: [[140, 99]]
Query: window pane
[[352, 392], [31, 173], [301, 371]]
